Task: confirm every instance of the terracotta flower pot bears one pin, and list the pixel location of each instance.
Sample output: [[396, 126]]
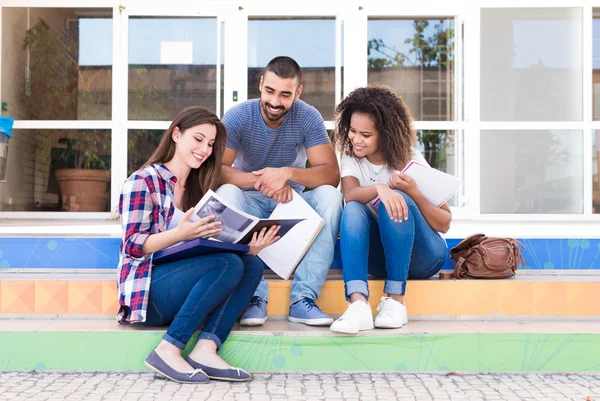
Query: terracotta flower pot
[[84, 190]]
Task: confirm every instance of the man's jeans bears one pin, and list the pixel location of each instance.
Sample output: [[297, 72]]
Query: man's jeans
[[311, 273], [387, 249], [215, 288]]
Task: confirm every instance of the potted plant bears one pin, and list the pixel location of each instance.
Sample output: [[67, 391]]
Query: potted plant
[[81, 174]]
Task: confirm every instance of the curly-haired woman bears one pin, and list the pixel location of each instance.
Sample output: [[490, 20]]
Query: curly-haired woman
[[388, 229]]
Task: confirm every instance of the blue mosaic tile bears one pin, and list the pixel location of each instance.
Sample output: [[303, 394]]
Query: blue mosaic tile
[[103, 253], [94, 253]]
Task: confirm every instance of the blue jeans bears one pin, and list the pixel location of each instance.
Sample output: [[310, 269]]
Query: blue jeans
[[311, 273], [215, 288], [386, 249]]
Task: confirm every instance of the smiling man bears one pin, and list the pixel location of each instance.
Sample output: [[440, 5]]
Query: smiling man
[[269, 141]]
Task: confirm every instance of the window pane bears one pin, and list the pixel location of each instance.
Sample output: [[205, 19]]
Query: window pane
[[311, 42], [65, 70], [416, 58], [172, 65], [57, 170], [595, 170], [439, 149], [531, 64], [531, 172], [596, 63], [141, 144]]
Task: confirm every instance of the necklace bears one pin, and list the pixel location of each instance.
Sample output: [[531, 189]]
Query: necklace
[[373, 171]]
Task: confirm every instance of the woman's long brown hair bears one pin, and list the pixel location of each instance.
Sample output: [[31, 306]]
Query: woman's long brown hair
[[208, 175]]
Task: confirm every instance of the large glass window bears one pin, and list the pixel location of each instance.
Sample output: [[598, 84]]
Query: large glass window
[[311, 42], [531, 64], [57, 63], [531, 171], [57, 170], [172, 65], [416, 58]]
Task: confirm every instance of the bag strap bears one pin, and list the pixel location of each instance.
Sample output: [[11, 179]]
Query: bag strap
[[458, 268], [516, 245], [467, 243]]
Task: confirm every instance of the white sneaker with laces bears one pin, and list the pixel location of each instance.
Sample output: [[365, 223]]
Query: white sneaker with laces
[[357, 317], [392, 314]]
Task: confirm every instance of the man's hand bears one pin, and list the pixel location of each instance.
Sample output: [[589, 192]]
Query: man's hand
[[284, 195], [271, 180]]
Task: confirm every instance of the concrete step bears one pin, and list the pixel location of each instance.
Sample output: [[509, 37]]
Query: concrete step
[[443, 346], [543, 295]]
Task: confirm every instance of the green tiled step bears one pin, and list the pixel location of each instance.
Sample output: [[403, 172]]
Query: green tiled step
[[102, 345]]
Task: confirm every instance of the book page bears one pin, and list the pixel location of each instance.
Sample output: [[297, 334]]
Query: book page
[[235, 223], [436, 186], [283, 256]]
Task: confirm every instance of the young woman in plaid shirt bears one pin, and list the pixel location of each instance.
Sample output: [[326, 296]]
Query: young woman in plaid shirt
[[213, 289]]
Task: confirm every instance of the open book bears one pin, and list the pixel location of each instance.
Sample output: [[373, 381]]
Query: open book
[[283, 256], [299, 223], [435, 185], [238, 227]]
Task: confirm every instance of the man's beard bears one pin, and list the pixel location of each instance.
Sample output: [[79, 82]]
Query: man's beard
[[273, 117]]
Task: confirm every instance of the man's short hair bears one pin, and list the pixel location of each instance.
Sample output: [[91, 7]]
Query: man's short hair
[[285, 67]]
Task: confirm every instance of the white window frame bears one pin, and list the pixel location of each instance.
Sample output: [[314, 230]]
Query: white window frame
[[468, 194], [585, 125], [68, 124]]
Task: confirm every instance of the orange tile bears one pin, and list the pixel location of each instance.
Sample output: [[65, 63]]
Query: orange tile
[[514, 298], [549, 298], [582, 299], [51, 297], [85, 297], [110, 298], [18, 296], [279, 297]]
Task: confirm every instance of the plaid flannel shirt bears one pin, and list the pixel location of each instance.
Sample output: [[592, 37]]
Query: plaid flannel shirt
[[146, 207]]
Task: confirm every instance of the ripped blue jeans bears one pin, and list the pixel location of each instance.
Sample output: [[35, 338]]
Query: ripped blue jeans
[[396, 251]]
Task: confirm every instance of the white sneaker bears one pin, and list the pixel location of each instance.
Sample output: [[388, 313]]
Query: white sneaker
[[392, 314], [357, 317]]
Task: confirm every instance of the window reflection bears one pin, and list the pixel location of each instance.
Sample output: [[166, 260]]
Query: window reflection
[[61, 67], [172, 65], [416, 58]]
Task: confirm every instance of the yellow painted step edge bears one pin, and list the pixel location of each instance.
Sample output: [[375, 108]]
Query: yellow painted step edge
[[427, 297]]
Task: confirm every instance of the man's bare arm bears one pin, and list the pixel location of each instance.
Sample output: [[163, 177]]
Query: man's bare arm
[[231, 175], [324, 168]]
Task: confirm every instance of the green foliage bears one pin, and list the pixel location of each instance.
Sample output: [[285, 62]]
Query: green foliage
[[426, 51]]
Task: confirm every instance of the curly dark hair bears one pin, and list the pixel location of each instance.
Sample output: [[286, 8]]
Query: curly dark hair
[[391, 117]]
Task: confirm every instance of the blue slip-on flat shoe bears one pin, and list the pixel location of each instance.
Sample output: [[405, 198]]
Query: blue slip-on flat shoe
[[229, 375], [156, 364]]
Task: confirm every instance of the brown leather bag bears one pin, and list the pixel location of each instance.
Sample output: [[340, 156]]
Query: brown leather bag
[[478, 256]]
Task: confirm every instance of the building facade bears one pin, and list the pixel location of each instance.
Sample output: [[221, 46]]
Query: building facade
[[504, 94]]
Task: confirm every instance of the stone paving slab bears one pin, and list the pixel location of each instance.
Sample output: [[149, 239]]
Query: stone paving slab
[[366, 386]]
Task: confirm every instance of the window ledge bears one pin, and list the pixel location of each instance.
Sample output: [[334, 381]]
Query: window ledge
[[460, 228]]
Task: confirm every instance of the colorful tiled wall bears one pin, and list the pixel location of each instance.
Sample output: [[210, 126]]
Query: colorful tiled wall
[[103, 253]]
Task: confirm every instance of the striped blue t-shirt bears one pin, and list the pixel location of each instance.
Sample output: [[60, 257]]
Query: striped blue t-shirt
[[259, 146]]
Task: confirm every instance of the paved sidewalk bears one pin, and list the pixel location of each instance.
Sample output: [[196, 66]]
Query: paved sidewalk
[[32, 386]]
